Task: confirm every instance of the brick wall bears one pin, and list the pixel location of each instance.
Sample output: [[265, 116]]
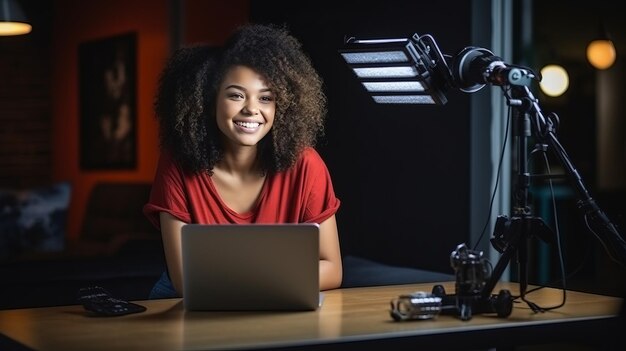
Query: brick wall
[[25, 115]]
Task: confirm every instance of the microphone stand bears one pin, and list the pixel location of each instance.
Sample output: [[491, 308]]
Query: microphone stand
[[511, 235], [605, 231]]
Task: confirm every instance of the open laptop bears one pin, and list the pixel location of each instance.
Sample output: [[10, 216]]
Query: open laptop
[[251, 267]]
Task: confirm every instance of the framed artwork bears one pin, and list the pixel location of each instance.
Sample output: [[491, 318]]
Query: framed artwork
[[108, 112]]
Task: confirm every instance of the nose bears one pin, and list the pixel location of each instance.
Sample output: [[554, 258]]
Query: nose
[[251, 108]]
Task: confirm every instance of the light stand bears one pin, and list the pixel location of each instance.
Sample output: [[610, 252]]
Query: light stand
[[378, 67], [511, 235]]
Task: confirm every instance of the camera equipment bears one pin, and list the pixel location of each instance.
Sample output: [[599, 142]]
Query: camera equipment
[[472, 272], [417, 305], [465, 306], [415, 71]]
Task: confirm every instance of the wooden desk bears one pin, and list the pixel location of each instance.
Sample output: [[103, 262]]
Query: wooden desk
[[348, 319]]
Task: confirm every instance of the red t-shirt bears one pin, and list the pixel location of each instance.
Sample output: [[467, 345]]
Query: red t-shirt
[[303, 193]]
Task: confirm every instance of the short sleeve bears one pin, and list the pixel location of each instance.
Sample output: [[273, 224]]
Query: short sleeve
[[321, 201], [167, 193]]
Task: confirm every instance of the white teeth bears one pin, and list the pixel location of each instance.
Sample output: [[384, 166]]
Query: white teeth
[[248, 124]]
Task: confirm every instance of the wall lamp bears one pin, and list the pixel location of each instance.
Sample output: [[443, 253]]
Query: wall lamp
[[12, 19]]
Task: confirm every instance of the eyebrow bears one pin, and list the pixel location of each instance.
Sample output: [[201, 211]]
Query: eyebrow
[[239, 87]]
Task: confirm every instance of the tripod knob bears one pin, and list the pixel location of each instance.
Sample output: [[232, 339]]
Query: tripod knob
[[504, 303], [439, 290]]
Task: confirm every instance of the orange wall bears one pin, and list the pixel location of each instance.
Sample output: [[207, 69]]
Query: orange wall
[[211, 22], [80, 21]]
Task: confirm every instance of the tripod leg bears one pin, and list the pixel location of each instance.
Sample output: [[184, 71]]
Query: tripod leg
[[465, 308], [497, 272]]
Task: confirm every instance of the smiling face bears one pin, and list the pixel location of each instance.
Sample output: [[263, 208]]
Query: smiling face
[[245, 107]]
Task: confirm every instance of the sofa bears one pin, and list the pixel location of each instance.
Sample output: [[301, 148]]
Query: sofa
[[117, 249]]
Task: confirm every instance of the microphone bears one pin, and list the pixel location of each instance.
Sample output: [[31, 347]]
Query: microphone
[[473, 67]]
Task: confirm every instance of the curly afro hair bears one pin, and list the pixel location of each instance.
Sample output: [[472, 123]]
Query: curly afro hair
[[185, 104]]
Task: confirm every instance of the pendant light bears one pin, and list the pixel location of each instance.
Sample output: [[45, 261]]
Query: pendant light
[[12, 19], [601, 51]]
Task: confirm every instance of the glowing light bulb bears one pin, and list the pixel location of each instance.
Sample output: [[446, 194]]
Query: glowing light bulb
[[601, 53], [14, 28], [554, 81]]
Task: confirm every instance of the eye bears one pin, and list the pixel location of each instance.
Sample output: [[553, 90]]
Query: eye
[[235, 96], [267, 98]]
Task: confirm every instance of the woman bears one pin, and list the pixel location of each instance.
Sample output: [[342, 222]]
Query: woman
[[238, 128]]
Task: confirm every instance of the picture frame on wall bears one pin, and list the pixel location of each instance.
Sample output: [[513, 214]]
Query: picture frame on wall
[[107, 97]]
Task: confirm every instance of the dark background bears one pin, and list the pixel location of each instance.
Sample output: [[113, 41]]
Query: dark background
[[402, 172]]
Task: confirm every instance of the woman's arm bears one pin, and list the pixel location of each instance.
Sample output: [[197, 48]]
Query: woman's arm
[[331, 271], [171, 228]]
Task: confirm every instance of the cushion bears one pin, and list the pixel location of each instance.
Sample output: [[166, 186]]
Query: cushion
[[359, 271], [33, 220]]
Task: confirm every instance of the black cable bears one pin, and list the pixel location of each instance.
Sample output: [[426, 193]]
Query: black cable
[[533, 306], [498, 173]]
